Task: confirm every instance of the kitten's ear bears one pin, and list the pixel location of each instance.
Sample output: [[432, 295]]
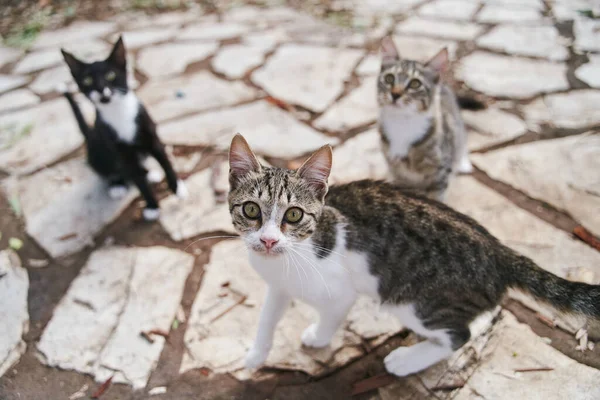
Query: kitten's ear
[[118, 55], [439, 62], [389, 52], [74, 64], [241, 160], [316, 169]]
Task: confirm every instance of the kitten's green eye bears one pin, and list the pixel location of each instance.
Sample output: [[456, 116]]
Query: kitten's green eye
[[293, 215], [251, 210], [87, 81], [414, 84], [110, 76], [389, 78]]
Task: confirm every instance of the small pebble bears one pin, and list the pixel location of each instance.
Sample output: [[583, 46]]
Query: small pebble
[[179, 94]]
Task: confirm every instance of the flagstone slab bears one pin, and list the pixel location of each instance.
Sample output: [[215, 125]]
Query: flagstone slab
[[9, 55], [269, 130], [444, 29], [383, 7], [65, 206], [120, 292], [170, 98], [568, 10], [213, 31], [17, 99], [8, 82], [14, 286], [526, 40], [504, 76], [144, 37], [172, 58], [266, 40], [570, 182], [574, 109], [77, 32], [513, 346], [42, 59], [423, 49], [590, 71], [360, 157], [236, 60], [48, 80], [199, 213], [168, 19], [493, 126], [310, 76], [538, 4], [218, 339], [449, 9], [370, 65], [33, 138], [587, 34], [496, 14], [358, 108]]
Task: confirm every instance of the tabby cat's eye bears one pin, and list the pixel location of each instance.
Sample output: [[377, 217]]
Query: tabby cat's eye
[[389, 78], [293, 215], [415, 84], [87, 81], [110, 76], [251, 210]]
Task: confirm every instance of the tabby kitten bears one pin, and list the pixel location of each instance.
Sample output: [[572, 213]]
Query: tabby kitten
[[423, 134], [123, 134], [430, 266]]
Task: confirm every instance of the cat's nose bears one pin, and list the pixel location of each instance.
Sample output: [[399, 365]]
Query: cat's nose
[[269, 242], [396, 96]]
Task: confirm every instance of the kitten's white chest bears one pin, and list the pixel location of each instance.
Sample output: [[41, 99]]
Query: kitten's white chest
[[403, 127], [120, 114]]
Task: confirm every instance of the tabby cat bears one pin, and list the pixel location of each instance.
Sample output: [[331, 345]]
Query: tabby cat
[[422, 131], [123, 134], [430, 266]]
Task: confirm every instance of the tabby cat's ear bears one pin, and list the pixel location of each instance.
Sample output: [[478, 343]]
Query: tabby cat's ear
[[242, 160], [118, 55], [439, 62], [74, 64], [389, 52], [316, 169]]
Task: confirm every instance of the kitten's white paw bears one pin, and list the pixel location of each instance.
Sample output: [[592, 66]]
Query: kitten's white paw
[[398, 362], [311, 339], [117, 192], [255, 358], [182, 191], [465, 166], [151, 214], [154, 176]]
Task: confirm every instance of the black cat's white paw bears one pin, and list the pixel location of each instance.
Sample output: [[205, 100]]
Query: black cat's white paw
[[182, 191], [151, 214], [117, 192]]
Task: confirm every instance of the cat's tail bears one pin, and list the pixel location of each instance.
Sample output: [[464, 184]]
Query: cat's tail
[[470, 103], [566, 296], [83, 126]]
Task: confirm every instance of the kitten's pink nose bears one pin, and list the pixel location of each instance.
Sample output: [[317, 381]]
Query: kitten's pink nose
[[269, 242]]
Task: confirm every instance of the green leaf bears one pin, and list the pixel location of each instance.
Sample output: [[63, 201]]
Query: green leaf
[[15, 243], [175, 324], [15, 204]]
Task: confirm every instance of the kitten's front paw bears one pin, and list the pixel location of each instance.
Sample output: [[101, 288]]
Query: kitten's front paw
[[151, 214], [398, 362], [255, 358], [154, 176], [117, 192], [310, 338], [182, 191], [465, 166]]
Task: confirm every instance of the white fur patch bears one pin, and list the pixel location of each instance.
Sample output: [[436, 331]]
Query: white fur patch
[[120, 113], [182, 191], [151, 214], [403, 127], [117, 192], [155, 176]]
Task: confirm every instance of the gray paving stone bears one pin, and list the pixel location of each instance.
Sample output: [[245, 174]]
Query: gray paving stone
[[309, 76], [213, 31], [14, 315], [9, 55], [444, 29], [570, 182], [17, 99], [382, 7], [568, 10], [236, 60], [8, 82], [501, 76], [170, 98], [535, 41], [173, 19], [78, 32], [220, 343], [370, 65], [590, 71], [144, 37], [423, 49], [449, 9], [200, 213], [173, 58], [269, 130], [358, 108], [587, 34], [493, 126], [517, 3], [495, 14], [120, 292], [513, 346], [266, 40], [575, 109], [47, 80], [33, 138]]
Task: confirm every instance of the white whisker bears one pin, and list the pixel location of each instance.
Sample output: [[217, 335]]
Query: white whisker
[[311, 264]]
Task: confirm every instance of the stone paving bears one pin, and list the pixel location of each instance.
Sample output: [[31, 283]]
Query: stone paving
[[291, 83]]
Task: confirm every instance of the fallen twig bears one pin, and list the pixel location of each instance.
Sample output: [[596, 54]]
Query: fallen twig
[[159, 332], [67, 236], [237, 303], [103, 388], [147, 336], [545, 320], [278, 102], [587, 237], [450, 386], [372, 383], [540, 369]]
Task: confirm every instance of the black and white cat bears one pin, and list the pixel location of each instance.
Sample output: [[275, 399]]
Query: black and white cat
[[124, 134]]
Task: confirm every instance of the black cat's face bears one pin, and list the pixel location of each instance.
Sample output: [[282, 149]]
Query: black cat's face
[[101, 80]]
